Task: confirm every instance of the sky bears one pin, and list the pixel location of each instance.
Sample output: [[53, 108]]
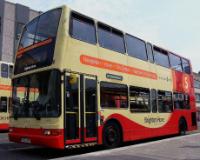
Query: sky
[[171, 24]]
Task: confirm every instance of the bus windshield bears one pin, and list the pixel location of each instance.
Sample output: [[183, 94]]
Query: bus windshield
[[37, 95], [37, 43]]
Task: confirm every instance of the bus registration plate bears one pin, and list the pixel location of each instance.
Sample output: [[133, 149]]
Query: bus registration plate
[[25, 140]]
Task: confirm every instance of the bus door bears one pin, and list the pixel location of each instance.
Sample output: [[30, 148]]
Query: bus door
[[80, 109]]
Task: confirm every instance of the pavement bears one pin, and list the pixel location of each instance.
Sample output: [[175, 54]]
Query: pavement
[[175, 148]]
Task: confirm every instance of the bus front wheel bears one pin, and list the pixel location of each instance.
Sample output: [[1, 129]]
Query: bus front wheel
[[111, 135]]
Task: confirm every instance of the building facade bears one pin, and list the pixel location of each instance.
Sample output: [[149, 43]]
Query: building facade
[[197, 92], [12, 19]]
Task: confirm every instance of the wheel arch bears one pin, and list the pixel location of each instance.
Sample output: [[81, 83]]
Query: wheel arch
[[113, 120], [183, 119]]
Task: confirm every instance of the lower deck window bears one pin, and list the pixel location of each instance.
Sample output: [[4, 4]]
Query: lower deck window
[[114, 95], [139, 99], [165, 101], [181, 101]]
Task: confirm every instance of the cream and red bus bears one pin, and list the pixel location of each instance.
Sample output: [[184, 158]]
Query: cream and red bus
[[88, 83], [5, 93]]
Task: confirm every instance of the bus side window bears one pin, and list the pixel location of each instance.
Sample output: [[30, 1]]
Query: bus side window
[[153, 101], [161, 57], [136, 47], [110, 38], [114, 95], [3, 104], [165, 104], [186, 66], [4, 70], [181, 101], [83, 28], [178, 100], [139, 99]]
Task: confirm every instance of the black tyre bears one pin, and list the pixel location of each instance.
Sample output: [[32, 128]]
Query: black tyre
[[112, 135], [182, 127]]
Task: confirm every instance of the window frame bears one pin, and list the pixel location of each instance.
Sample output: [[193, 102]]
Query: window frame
[[149, 99], [169, 54], [83, 17], [110, 29], [158, 107], [131, 55], [161, 51], [184, 59], [127, 95], [174, 100]]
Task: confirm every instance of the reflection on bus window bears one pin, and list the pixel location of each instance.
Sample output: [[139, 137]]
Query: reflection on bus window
[[186, 66], [161, 57], [136, 47], [37, 95], [139, 99], [111, 38], [175, 62], [165, 101], [83, 29], [181, 101], [114, 95]]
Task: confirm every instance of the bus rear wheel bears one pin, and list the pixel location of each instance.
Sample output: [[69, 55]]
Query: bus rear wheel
[[111, 135], [182, 127]]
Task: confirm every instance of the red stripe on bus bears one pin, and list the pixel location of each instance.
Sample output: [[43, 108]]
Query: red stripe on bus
[[4, 126], [23, 50], [5, 87], [100, 63], [19, 89]]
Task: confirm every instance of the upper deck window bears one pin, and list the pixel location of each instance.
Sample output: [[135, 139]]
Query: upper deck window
[[136, 47], [111, 38], [186, 66], [175, 62], [4, 70], [39, 39], [161, 57], [83, 29], [150, 52], [41, 28]]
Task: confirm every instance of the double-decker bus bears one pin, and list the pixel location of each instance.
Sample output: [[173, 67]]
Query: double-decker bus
[[5, 93], [87, 83]]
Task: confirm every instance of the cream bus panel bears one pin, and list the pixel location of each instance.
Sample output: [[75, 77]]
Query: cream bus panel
[[149, 120]]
